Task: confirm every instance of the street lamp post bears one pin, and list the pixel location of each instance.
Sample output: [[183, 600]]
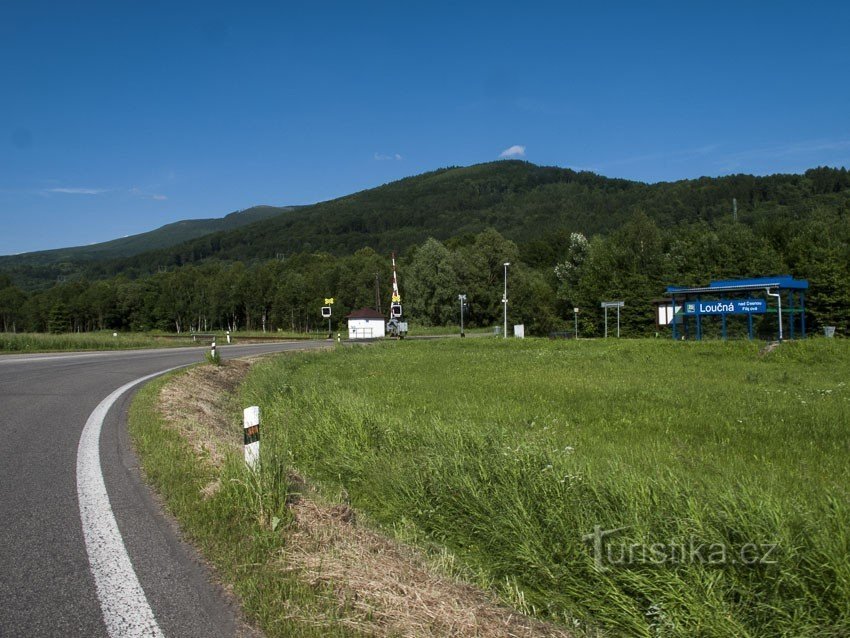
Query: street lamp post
[[505, 298], [575, 318], [462, 299]]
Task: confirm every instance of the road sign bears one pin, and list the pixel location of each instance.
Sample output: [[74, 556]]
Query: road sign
[[329, 301], [326, 311], [612, 304]]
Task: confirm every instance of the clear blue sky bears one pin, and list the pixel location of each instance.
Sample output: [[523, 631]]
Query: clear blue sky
[[117, 117]]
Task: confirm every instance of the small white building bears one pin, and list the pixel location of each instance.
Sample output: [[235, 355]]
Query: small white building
[[366, 323]]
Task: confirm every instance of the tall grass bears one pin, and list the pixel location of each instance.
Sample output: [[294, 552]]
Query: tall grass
[[42, 342], [728, 472]]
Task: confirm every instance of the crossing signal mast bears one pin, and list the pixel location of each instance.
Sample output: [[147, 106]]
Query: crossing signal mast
[[395, 326]]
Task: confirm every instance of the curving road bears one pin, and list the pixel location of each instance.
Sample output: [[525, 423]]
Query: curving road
[[61, 568]]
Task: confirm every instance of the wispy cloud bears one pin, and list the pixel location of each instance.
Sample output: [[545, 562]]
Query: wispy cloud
[[138, 192], [675, 155], [792, 149], [381, 157], [76, 191], [513, 151]]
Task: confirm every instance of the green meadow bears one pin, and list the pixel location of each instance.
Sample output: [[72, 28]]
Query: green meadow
[[640, 488]]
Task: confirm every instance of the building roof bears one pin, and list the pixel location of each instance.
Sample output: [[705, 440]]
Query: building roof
[[782, 282], [365, 313]]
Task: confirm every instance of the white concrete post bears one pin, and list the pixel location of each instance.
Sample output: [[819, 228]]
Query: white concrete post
[[251, 431], [228, 336]]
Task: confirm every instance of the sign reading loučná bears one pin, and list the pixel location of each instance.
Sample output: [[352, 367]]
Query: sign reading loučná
[[726, 307]]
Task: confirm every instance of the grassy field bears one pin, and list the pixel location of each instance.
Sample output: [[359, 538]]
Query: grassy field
[[45, 342], [42, 342], [647, 488]]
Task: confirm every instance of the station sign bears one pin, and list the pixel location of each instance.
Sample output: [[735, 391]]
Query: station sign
[[725, 307]]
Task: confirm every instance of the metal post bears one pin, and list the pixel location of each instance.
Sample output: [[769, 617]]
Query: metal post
[[575, 314], [673, 309], [606, 322], [699, 321], [462, 299], [790, 314], [618, 322], [779, 308], [505, 299]]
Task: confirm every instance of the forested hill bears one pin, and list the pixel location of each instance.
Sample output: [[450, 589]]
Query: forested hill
[[48, 264], [524, 202], [535, 206]]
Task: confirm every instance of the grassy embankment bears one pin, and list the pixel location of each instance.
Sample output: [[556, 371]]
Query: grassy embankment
[[238, 525], [724, 472]]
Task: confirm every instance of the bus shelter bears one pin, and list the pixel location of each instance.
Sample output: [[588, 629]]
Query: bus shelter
[[781, 296]]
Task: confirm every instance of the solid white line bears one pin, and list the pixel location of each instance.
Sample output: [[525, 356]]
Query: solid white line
[[126, 611]]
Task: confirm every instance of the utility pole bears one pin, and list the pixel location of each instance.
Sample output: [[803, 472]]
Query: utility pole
[[377, 294]]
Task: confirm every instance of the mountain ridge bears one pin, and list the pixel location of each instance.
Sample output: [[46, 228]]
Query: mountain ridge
[[528, 204]]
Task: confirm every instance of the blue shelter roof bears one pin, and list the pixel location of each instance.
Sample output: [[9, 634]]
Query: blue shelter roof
[[781, 282]]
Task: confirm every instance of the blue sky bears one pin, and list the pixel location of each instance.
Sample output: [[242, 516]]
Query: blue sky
[[118, 117]]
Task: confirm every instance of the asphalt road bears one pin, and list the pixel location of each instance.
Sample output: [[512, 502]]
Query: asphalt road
[[47, 576]]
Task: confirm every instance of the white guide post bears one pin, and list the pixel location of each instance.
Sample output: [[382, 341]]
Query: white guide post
[[251, 425]]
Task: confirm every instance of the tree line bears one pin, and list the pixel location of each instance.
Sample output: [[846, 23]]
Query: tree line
[[547, 278]]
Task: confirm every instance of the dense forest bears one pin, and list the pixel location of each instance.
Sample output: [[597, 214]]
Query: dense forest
[[573, 239]]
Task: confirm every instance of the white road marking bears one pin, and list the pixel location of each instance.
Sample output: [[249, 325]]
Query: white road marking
[[126, 611]]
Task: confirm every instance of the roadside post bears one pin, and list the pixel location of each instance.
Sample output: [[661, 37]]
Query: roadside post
[[575, 315], [228, 337], [212, 350], [251, 435]]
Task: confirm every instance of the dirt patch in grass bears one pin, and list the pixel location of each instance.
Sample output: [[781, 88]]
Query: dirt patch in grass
[[390, 589], [198, 405], [378, 586]]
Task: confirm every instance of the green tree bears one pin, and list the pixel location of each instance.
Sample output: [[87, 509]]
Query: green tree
[[432, 285]]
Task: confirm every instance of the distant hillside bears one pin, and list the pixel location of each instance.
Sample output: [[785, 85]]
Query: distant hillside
[[49, 264], [531, 205], [528, 204]]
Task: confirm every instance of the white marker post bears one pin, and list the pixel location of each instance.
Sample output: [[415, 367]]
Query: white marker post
[[228, 337], [251, 424]]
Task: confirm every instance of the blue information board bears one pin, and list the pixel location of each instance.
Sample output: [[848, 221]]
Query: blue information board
[[725, 307]]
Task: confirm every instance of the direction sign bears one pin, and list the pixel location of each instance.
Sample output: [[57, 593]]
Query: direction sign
[[612, 304]]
